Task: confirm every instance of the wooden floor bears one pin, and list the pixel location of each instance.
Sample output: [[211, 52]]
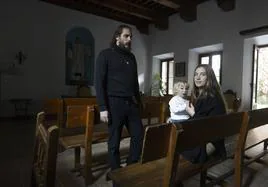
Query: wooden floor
[[16, 141]]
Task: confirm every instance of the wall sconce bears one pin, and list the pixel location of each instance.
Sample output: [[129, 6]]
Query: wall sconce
[[21, 57]]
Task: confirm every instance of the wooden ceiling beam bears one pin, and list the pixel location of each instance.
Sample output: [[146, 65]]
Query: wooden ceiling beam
[[141, 24], [160, 20], [127, 8], [168, 3], [226, 5], [188, 10]]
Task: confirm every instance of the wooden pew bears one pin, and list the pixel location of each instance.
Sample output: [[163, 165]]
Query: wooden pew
[[81, 116], [165, 99], [45, 154], [152, 163], [257, 134], [81, 102], [152, 110], [162, 99], [150, 98], [165, 172], [258, 120], [72, 130], [220, 127], [53, 109]]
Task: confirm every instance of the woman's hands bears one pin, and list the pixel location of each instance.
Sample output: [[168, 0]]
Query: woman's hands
[[190, 109]]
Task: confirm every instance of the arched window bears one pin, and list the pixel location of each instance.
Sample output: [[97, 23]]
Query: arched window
[[79, 57]]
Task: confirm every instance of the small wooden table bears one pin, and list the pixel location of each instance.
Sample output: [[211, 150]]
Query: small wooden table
[[21, 107]]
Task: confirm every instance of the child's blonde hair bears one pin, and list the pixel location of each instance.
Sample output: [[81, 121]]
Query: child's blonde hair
[[177, 86]]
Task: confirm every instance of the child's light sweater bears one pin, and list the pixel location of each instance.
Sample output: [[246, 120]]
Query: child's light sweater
[[177, 106]]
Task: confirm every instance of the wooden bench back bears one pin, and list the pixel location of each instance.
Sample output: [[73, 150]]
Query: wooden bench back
[[195, 133], [80, 101], [53, 109], [76, 116], [258, 126], [165, 99], [157, 140], [208, 129], [258, 117], [150, 98], [83, 101], [45, 154], [155, 109]]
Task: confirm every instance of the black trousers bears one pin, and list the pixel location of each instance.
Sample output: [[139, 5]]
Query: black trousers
[[199, 154], [124, 111]]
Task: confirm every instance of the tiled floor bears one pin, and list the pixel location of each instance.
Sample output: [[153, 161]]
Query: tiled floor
[[16, 156]]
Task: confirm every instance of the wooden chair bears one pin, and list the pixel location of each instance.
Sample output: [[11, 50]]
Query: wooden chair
[[165, 172], [53, 109], [233, 102], [45, 154], [150, 170]]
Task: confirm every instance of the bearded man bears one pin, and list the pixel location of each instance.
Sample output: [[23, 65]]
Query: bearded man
[[117, 92]]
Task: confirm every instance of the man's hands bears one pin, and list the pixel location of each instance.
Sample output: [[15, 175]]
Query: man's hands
[[104, 116]]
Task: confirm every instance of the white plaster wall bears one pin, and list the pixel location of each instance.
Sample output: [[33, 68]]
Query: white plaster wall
[[213, 26], [39, 30]]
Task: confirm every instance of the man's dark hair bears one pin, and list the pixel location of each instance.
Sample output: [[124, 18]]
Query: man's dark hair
[[118, 32]]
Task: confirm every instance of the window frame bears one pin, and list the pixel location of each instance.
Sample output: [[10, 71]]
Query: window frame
[[167, 60], [210, 54]]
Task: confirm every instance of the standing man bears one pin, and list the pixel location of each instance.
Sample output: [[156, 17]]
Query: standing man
[[117, 90]]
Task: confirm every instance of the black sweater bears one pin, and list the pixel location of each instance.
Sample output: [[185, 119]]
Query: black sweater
[[209, 106], [115, 75]]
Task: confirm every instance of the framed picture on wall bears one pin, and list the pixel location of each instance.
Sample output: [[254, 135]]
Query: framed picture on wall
[[180, 69]]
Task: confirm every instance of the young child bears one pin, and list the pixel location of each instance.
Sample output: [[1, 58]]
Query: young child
[[178, 103]]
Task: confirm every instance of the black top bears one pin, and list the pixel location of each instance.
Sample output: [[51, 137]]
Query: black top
[[115, 75], [204, 107], [209, 106]]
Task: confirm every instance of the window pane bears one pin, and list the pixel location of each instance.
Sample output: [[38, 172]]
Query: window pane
[[205, 60], [164, 76], [216, 64], [218, 78], [170, 77], [171, 69], [164, 71], [170, 86]]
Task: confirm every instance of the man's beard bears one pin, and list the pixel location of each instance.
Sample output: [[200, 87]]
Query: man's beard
[[125, 46]]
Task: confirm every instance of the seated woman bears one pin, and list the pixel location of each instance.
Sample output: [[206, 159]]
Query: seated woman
[[206, 100]]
